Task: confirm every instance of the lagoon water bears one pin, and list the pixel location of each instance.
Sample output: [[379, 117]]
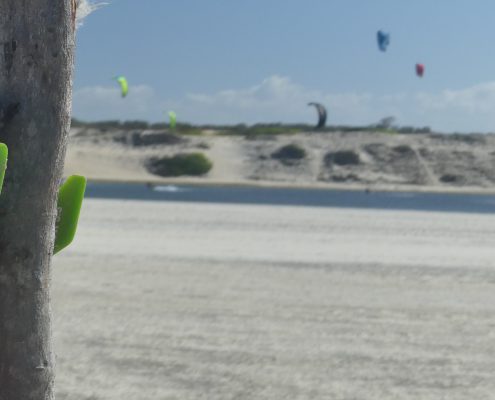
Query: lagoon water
[[438, 202]]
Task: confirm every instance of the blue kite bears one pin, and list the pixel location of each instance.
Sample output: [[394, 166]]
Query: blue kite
[[383, 40]]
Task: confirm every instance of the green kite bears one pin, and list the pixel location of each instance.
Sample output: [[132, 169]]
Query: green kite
[[172, 117], [124, 85]]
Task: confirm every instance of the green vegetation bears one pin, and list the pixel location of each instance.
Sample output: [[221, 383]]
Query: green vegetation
[[134, 125], [403, 149], [289, 154], [181, 129], [190, 164], [188, 130], [452, 179], [412, 129], [342, 157], [261, 130], [385, 131], [250, 131]]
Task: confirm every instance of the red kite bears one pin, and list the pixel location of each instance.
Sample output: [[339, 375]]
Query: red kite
[[420, 70]]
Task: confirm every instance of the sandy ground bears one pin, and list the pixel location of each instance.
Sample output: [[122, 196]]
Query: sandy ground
[[201, 301]]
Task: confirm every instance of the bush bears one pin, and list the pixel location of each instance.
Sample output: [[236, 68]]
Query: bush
[[452, 178], [152, 138], [289, 153], [159, 126], [111, 124], [343, 157], [75, 123], [191, 164], [261, 130], [386, 123], [135, 125], [186, 130], [403, 149], [413, 130], [104, 125]]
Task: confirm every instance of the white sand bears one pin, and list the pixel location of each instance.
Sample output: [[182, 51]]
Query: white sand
[[196, 301]]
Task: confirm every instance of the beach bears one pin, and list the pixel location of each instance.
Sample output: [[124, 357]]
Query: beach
[[169, 300]]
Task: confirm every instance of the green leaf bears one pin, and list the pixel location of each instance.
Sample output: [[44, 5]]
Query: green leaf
[[70, 198], [4, 153]]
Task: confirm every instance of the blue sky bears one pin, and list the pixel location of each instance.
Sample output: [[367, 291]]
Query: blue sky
[[226, 61]]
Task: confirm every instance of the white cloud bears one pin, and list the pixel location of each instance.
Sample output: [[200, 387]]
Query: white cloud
[[468, 109], [269, 93], [278, 98], [475, 99]]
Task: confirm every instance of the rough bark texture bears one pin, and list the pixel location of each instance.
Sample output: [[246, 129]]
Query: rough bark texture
[[36, 57]]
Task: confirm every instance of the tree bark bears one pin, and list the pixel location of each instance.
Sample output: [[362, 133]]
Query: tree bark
[[36, 61]]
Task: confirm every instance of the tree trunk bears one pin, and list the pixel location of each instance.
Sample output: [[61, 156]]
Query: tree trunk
[[36, 58]]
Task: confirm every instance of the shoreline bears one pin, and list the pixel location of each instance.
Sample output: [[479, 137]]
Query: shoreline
[[297, 186]]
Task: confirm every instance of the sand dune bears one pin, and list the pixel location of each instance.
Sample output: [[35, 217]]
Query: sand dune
[[338, 159]]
